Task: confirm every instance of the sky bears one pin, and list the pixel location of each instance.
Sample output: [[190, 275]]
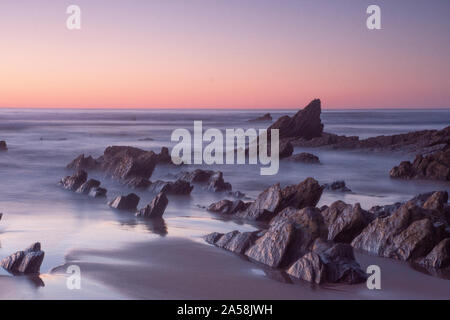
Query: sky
[[224, 54]]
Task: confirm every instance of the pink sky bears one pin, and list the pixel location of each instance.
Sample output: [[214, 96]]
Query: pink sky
[[224, 54]]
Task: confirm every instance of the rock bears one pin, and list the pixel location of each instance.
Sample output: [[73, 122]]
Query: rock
[[234, 241], [265, 206], [344, 221], [179, 187], [128, 202], [83, 163], [286, 149], [198, 175], [75, 181], [435, 166], [266, 117], [304, 124], [288, 239], [337, 186], [137, 183], [405, 235], [3, 146], [418, 142], [439, 257], [384, 211], [98, 192], [228, 207], [305, 158], [156, 208], [436, 201], [306, 194], [328, 263], [164, 156], [236, 194], [146, 139], [273, 200], [1, 216], [86, 187], [25, 262], [217, 184]]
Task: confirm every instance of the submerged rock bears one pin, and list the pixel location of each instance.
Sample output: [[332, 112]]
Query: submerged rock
[[156, 208], [196, 176], [266, 117], [128, 202], [435, 166], [179, 187], [3, 146], [344, 221], [228, 207], [138, 183], [86, 187], [304, 157], [216, 183], [98, 193], [286, 149], [304, 124], [25, 262], [234, 241], [75, 181], [337, 186]]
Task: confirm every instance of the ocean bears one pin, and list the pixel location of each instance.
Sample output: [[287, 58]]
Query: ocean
[[121, 256]]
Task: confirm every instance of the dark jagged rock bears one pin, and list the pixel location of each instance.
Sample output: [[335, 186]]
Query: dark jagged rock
[[384, 211], [228, 207], [344, 221], [164, 156], [196, 176], [439, 257], [83, 163], [273, 200], [304, 157], [128, 202], [156, 208], [286, 149], [138, 183], [407, 234], [86, 187], [98, 193], [179, 187], [235, 241], [266, 117], [337, 186], [418, 142], [75, 181], [306, 194], [3, 146], [288, 239], [434, 166], [304, 124], [217, 184], [25, 262]]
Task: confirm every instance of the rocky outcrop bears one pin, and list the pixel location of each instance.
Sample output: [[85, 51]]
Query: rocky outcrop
[[306, 194], [408, 234], [123, 162], [128, 202], [339, 186], [286, 149], [178, 187], [75, 181], [3, 146], [156, 208], [439, 257], [417, 142], [304, 124], [25, 262], [295, 242], [328, 263], [137, 183], [217, 184], [435, 166], [86, 187], [344, 221], [98, 193], [304, 157], [228, 207], [264, 118], [213, 179]]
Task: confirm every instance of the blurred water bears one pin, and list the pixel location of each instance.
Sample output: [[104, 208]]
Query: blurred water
[[42, 142]]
